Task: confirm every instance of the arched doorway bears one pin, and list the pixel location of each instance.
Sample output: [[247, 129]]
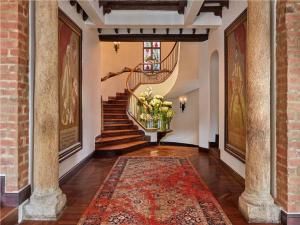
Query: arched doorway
[[214, 99]]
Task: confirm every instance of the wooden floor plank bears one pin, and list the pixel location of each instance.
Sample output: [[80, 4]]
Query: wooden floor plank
[[81, 188]]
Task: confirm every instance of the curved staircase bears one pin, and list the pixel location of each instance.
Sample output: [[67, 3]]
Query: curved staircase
[[119, 134]]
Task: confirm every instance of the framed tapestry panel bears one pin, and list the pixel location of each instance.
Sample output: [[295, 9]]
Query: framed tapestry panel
[[235, 87], [69, 71]]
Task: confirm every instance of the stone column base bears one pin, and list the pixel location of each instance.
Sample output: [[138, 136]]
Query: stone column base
[[46, 206], [259, 209]]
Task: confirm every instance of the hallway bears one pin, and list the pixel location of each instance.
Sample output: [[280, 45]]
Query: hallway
[[222, 183], [84, 80]]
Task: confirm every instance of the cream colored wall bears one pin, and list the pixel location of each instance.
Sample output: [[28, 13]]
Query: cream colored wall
[[188, 79], [185, 124], [216, 43], [129, 55], [90, 90]]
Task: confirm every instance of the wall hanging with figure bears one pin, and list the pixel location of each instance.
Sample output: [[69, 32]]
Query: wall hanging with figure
[[235, 87], [69, 70]]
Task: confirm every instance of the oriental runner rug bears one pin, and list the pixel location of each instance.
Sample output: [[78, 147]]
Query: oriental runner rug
[[153, 191]]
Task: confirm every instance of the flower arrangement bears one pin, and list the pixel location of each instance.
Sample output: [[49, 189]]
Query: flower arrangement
[[154, 109]]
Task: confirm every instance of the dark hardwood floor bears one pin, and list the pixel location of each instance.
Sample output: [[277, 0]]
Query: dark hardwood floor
[[81, 188]]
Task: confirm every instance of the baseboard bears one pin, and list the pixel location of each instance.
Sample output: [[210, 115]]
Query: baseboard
[[178, 144], [201, 149], [63, 179], [290, 218], [13, 199], [213, 144], [232, 172]]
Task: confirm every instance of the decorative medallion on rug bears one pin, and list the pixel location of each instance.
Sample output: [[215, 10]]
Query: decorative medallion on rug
[[153, 191]]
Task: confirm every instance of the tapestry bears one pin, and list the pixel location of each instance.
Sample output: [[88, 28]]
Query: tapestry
[[153, 191], [235, 73], [69, 69]]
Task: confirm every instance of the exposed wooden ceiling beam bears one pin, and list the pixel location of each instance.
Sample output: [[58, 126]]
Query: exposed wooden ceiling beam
[[223, 3], [178, 5], [214, 6], [155, 37], [79, 9], [91, 8], [217, 10], [192, 11]]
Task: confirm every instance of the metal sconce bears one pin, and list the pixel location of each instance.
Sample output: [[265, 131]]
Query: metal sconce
[[182, 101], [116, 46]]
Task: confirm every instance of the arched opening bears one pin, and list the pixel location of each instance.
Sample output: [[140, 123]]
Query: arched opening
[[214, 99]]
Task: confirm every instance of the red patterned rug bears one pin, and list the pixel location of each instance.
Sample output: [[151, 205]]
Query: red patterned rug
[[153, 191]]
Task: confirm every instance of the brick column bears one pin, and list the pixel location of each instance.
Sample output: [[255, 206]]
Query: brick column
[[14, 117], [47, 200], [288, 107], [256, 202]]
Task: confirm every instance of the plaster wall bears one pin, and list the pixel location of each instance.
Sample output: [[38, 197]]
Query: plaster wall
[[185, 124], [214, 96], [90, 89], [216, 43], [130, 54]]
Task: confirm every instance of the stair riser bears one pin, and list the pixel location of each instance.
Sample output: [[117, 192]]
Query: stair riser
[[108, 143], [122, 96], [132, 132], [115, 116], [118, 98], [116, 127], [118, 102], [120, 111], [111, 106], [117, 122], [122, 93]]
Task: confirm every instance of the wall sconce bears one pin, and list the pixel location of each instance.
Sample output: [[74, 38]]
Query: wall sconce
[[182, 101], [116, 46]]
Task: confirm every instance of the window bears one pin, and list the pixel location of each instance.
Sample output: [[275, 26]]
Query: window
[[151, 54]]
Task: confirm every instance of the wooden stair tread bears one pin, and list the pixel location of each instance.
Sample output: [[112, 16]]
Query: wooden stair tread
[[118, 124], [117, 138], [112, 105], [114, 114], [115, 131], [120, 121], [115, 120], [123, 146], [119, 133]]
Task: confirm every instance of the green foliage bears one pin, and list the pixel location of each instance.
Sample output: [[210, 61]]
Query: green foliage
[[155, 109]]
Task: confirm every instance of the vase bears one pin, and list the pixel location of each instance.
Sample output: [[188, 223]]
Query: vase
[[155, 123], [164, 125], [149, 124], [168, 125]]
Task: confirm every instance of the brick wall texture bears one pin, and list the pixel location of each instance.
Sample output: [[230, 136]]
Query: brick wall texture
[[288, 105], [14, 117]]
